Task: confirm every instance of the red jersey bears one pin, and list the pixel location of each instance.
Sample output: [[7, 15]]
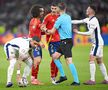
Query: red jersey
[[49, 21], [34, 28]]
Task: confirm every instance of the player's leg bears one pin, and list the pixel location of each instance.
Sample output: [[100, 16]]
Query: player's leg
[[73, 71], [103, 70], [67, 47], [10, 72], [53, 68], [101, 64], [10, 54], [56, 59], [92, 66], [27, 69], [54, 71], [37, 60], [35, 68]]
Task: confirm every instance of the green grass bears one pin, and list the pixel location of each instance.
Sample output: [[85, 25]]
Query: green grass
[[80, 59]]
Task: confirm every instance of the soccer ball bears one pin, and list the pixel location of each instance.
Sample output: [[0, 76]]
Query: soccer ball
[[23, 82], [20, 83]]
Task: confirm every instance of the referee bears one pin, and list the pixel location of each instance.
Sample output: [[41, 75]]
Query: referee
[[63, 25]]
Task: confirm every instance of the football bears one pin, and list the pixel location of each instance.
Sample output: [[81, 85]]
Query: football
[[23, 82]]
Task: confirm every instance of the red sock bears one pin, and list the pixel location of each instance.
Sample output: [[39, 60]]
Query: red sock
[[35, 71], [54, 69]]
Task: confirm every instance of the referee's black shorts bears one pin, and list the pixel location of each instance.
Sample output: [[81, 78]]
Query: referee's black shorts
[[66, 47]]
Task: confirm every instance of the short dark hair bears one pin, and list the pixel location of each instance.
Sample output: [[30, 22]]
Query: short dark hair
[[54, 4], [35, 10], [35, 38], [94, 7], [62, 5]]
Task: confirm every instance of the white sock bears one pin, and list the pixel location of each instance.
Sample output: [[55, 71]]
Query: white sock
[[27, 69], [104, 71], [92, 71], [10, 70]]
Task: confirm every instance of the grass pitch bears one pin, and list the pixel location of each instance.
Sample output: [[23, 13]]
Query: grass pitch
[[80, 59]]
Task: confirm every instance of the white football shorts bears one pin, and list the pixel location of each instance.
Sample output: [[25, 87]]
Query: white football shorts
[[97, 50]]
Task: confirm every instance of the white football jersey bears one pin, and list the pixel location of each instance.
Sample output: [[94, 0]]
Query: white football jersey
[[22, 45], [93, 29]]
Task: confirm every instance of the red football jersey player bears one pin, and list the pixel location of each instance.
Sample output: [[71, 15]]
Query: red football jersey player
[[49, 21], [52, 40], [34, 28], [37, 12]]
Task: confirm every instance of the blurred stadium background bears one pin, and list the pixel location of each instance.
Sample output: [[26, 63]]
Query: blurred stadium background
[[14, 19], [15, 16]]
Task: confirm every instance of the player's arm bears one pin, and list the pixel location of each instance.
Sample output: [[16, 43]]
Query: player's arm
[[79, 21], [41, 44], [38, 42], [32, 27], [91, 28], [18, 70], [55, 27], [18, 76], [47, 31], [84, 33], [43, 26], [45, 21]]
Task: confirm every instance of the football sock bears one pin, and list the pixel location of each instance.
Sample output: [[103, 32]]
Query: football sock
[[26, 71], [27, 68], [54, 69], [104, 71], [35, 71], [74, 72], [60, 67], [92, 70], [10, 70]]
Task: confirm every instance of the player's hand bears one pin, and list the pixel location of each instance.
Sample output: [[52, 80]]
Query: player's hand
[[18, 77], [42, 45], [43, 28], [75, 30]]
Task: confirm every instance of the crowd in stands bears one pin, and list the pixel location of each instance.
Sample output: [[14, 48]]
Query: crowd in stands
[[15, 13]]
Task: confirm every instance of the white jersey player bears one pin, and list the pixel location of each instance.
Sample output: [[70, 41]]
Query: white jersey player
[[19, 49], [18, 46], [94, 29], [97, 44]]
